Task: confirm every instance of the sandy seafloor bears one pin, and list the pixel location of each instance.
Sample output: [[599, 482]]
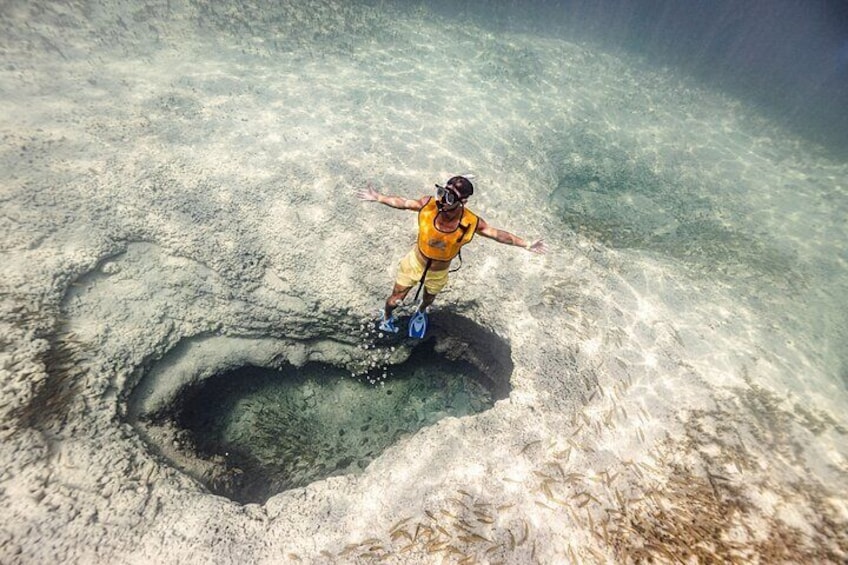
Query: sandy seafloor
[[181, 176]]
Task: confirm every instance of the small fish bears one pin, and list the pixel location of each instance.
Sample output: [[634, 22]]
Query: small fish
[[564, 454], [400, 523], [458, 502], [463, 525], [547, 489], [474, 537], [524, 535], [453, 549], [399, 534], [481, 514], [529, 445], [584, 495], [435, 547], [348, 548], [543, 505], [558, 467], [543, 475]]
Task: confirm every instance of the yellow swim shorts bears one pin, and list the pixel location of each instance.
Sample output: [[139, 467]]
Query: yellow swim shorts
[[410, 270]]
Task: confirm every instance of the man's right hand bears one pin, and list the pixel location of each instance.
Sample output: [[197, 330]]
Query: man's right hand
[[368, 194]]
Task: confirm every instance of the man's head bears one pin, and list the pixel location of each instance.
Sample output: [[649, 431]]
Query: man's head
[[462, 186], [455, 192]]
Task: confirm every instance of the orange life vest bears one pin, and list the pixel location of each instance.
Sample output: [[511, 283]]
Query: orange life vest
[[439, 245]]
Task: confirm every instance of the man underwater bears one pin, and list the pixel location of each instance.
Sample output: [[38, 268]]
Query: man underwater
[[444, 226]]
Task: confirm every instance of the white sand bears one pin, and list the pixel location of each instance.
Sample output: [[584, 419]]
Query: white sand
[[166, 183]]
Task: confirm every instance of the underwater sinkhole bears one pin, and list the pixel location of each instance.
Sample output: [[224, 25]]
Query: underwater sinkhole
[[248, 432]]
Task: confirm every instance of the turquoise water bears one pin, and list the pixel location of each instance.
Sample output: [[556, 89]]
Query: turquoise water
[[276, 430]]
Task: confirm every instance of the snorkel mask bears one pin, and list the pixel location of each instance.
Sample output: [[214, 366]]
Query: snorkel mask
[[446, 197]]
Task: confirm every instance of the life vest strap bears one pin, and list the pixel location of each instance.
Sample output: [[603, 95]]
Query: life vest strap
[[459, 255]]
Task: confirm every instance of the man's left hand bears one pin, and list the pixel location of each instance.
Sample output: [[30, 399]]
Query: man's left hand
[[538, 246]]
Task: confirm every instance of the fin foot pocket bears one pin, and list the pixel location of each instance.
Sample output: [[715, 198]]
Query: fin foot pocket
[[418, 325]]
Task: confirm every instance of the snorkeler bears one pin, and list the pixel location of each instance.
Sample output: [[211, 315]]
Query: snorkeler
[[444, 226]]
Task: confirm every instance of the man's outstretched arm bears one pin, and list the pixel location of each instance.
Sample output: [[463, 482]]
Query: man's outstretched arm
[[502, 236], [370, 195]]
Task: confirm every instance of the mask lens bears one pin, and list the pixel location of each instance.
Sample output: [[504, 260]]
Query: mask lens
[[448, 197]]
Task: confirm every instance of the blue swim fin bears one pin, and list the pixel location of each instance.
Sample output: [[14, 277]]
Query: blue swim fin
[[418, 325]]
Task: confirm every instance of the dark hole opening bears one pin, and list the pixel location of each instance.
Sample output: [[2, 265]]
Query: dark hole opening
[[269, 430]]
